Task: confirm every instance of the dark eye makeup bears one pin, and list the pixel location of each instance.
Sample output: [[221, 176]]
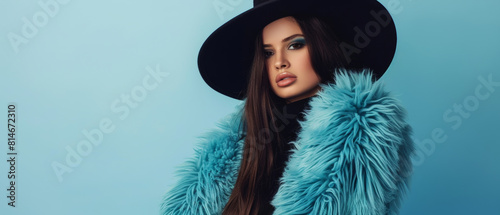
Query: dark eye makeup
[[267, 53], [297, 43]]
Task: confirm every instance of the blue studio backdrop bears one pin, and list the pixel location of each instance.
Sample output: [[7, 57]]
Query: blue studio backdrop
[[107, 101]]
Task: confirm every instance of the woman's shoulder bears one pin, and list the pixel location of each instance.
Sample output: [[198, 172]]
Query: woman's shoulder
[[355, 96], [354, 136], [211, 170]]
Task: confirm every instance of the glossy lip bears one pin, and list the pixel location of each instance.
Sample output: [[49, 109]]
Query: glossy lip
[[282, 82]]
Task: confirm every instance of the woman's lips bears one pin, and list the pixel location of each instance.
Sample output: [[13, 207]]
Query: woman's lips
[[285, 78]]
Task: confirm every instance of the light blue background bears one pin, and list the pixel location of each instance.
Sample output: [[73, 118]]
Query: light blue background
[[90, 53]]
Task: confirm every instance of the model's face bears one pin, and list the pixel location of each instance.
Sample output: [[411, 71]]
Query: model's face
[[288, 63]]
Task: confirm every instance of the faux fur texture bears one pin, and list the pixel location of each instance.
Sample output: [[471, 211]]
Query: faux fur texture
[[352, 156]]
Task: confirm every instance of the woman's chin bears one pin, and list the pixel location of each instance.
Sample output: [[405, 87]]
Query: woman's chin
[[292, 95]]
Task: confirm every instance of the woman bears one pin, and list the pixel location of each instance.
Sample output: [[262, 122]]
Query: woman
[[315, 135]]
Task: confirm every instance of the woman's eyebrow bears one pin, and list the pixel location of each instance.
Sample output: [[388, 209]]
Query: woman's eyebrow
[[286, 39]]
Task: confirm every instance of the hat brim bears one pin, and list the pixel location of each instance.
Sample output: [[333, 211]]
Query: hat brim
[[364, 27]]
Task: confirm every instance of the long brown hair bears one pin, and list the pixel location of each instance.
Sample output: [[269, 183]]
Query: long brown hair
[[250, 194]]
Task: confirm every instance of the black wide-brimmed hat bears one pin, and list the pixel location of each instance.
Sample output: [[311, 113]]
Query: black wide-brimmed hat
[[365, 28]]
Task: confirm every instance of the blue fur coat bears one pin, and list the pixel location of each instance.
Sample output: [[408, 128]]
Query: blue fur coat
[[352, 156]]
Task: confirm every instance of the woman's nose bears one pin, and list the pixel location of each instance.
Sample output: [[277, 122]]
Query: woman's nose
[[281, 61]]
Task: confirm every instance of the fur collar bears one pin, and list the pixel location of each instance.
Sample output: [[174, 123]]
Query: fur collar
[[352, 156]]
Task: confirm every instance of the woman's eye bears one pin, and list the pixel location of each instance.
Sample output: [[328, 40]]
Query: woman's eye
[[268, 54], [296, 45]]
